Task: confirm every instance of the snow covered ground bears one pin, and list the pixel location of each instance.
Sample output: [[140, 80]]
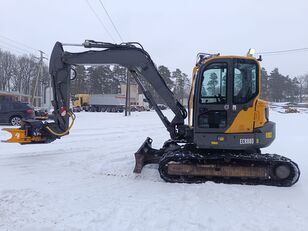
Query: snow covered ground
[[85, 182]]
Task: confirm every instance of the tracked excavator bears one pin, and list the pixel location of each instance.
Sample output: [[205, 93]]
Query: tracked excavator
[[227, 124]]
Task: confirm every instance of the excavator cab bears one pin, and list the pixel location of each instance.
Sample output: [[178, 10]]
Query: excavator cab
[[227, 111]]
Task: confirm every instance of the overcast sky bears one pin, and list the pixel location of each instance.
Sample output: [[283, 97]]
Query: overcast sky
[[173, 32]]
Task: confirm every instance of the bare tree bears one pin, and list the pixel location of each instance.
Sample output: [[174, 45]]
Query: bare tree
[[18, 74], [8, 69]]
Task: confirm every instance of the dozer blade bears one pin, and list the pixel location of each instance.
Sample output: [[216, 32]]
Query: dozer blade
[[146, 155], [19, 135]]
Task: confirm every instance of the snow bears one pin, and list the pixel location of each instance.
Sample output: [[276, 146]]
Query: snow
[[85, 182]]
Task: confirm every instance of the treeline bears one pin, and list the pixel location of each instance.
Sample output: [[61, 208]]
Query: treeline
[[279, 88], [105, 79], [18, 74]]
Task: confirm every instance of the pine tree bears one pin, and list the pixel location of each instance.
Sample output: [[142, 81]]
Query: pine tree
[[276, 86], [264, 84], [181, 90], [212, 84], [102, 81], [119, 73], [80, 84], [166, 75], [179, 84]]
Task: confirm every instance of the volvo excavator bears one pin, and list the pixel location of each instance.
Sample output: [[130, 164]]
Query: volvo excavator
[[227, 124]]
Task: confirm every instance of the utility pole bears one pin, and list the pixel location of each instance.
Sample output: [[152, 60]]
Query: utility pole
[[39, 75], [127, 100]]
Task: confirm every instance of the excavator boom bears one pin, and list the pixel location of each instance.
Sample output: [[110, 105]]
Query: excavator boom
[[135, 59]]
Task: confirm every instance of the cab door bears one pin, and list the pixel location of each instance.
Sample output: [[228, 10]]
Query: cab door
[[213, 97]]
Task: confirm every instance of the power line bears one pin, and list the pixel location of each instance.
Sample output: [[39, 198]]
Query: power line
[[285, 54], [26, 48], [99, 19], [20, 43], [10, 50], [15, 47], [114, 26], [283, 51]]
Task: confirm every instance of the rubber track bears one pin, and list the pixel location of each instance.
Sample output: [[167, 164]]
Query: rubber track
[[256, 159]]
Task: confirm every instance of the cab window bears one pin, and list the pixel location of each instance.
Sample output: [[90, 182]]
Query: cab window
[[213, 87], [245, 81]]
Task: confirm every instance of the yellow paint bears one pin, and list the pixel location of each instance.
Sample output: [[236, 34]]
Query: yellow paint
[[19, 136], [268, 135], [80, 100], [221, 138], [243, 122], [191, 96], [214, 142], [230, 57], [246, 120], [260, 117], [253, 117]]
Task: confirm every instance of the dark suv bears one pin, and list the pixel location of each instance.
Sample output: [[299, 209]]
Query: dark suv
[[14, 111]]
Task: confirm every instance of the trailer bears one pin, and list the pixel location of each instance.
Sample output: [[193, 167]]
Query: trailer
[[106, 103]]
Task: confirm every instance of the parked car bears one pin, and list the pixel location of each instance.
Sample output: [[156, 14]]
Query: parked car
[[41, 113], [13, 112]]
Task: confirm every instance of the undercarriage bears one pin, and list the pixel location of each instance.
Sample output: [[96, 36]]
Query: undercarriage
[[188, 164]]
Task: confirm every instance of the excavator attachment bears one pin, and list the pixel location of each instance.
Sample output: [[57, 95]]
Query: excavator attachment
[[18, 136], [38, 131], [24, 135]]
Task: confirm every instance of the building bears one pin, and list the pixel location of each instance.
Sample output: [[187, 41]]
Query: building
[[39, 101], [16, 96]]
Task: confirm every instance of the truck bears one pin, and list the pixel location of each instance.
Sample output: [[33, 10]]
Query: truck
[[80, 102], [106, 103]]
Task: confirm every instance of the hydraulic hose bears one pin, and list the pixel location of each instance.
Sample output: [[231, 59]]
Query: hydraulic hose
[[66, 131]]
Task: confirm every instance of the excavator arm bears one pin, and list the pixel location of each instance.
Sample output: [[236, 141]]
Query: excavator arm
[[129, 55]]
